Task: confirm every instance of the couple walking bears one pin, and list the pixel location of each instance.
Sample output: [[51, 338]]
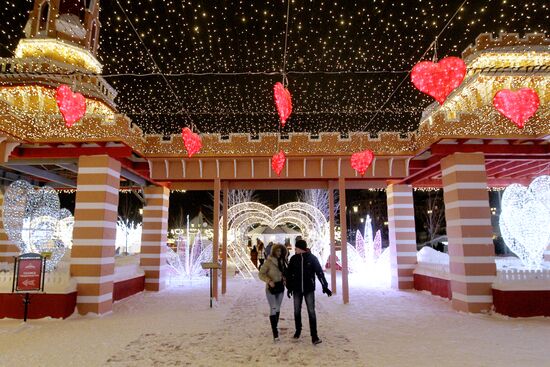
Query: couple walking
[[299, 277]]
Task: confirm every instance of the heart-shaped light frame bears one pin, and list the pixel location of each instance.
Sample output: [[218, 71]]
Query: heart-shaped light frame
[[308, 218], [525, 220], [35, 223]]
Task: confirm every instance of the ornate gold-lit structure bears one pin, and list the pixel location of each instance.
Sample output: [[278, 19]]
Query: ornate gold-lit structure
[[464, 145]]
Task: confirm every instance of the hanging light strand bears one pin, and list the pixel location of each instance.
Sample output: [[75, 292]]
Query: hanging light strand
[[182, 108], [432, 45]]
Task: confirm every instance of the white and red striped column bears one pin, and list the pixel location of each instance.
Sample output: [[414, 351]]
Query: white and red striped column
[[402, 235], [96, 212], [470, 232], [154, 237], [7, 249]]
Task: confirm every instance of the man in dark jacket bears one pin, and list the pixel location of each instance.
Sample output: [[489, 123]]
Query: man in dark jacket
[[300, 280]]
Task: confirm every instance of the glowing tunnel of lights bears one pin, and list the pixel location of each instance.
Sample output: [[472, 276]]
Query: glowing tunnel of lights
[[309, 219]]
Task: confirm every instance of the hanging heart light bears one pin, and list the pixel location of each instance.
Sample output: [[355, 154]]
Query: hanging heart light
[[71, 105], [519, 106], [283, 101], [278, 162], [192, 141], [439, 79], [361, 161]]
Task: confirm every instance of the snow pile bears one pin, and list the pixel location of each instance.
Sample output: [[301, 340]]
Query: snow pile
[[127, 267], [432, 263]]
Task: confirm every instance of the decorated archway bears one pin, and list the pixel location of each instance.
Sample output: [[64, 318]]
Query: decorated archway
[[309, 219]]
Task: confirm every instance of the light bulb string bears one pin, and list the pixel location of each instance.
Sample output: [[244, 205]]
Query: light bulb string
[[285, 50], [532, 68], [182, 107], [283, 71], [434, 43]]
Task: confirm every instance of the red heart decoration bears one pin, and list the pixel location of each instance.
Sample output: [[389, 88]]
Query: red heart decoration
[[283, 101], [278, 162], [362, 160], [71, 105], [192, 141], [518, 106], [439, 79]]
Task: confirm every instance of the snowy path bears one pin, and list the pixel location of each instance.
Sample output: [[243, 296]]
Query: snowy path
[[243, 338], [381, 327]]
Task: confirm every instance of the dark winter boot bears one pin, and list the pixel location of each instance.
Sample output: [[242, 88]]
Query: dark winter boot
[[315, 340], [297, 334], [273, 320]]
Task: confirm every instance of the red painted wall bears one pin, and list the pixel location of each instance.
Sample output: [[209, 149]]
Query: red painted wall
[[42, 305], [522, 303], [59, 306], [436, 286], [128, 288]]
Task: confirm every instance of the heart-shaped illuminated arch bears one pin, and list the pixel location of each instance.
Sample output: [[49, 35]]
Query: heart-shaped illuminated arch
[[310, 220]]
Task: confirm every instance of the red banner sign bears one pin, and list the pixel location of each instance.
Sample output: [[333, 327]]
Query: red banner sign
[[29, 275]]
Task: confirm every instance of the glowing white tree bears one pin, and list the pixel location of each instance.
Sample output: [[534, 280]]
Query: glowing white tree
[[319, 199], [128, 237]]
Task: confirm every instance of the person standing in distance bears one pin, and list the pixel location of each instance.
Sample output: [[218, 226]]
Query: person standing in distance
[[300, 278]]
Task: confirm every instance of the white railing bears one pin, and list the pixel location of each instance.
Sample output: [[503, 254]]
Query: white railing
[[521, 275], [510, 275]]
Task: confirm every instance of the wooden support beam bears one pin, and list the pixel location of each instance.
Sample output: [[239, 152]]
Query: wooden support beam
[[332, 239], [490, 149], [344, 237], [224, 237], [42, 174], [216, 239], [71, 152]]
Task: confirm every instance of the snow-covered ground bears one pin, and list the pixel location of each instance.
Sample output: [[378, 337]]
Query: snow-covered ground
[[381, 327]]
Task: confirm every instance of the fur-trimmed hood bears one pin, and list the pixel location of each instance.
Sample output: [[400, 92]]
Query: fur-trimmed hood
[[275, 247]]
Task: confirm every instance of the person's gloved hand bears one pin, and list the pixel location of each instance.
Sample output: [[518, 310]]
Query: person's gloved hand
[[289, 293], [327, 291]]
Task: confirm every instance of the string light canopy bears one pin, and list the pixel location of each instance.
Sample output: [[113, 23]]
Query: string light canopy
[[215, 63]]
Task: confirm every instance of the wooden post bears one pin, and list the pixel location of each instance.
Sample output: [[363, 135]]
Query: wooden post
[[224, 237], [216, 239], [344, 236], [332, 241]]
